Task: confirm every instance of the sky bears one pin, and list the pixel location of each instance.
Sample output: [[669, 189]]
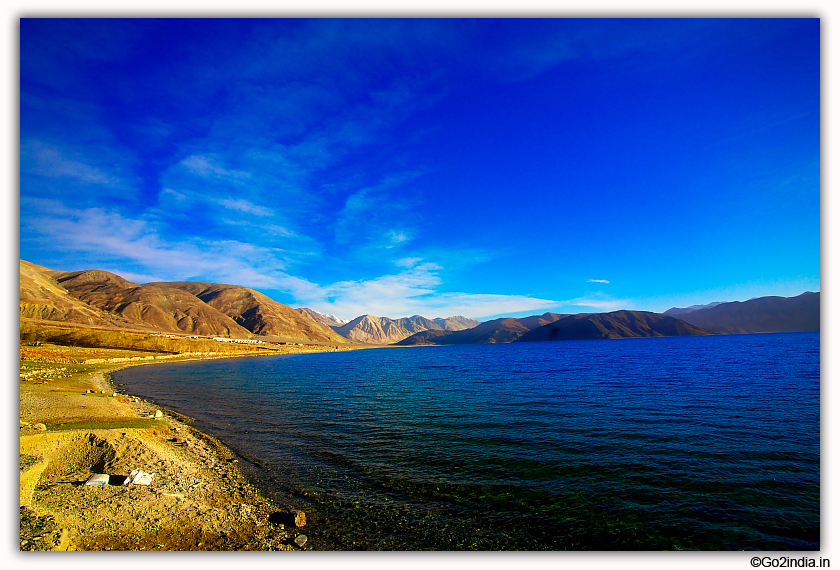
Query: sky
[[440, 167]]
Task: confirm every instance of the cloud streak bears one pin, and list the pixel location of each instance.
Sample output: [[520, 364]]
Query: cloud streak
[[107, 238], [598, 281]]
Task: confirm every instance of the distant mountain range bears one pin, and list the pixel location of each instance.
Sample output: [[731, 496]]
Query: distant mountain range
[[100, 298], [369, 329], [457, 323], [554, 326], [761, 315], [765, 314], [676, 311], [618, 324], [498, 330]]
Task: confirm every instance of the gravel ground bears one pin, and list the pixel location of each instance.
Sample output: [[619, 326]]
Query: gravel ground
[[197, 500]]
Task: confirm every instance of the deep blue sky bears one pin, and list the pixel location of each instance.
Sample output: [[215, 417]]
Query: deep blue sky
[[439, 167]]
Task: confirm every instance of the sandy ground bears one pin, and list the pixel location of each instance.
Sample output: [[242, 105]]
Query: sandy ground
[[72, 426]]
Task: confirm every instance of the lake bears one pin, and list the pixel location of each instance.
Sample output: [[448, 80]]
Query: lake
[[695, 442]]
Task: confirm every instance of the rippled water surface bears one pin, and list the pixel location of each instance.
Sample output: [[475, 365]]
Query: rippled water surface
[[688, 442]]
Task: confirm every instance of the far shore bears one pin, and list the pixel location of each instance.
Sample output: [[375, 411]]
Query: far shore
[[75, 423]]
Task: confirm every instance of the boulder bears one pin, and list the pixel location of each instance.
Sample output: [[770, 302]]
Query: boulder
[[300, 540], [291, 518]]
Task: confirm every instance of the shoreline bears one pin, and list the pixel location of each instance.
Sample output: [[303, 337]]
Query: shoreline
[[77, 425]]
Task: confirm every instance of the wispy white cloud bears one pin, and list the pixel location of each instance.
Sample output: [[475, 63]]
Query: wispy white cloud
[[416, 290], [598, 281], [208, 167], [369, 215], [245, 206], [408, 261], [116, 241], [46, 160], [110, 238], [599, 305], [397, 238]]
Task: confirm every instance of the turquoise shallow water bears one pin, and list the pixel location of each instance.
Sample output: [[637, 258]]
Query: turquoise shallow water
[[706, 443]]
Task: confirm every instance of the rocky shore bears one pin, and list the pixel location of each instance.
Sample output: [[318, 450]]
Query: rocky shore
[[73, 424]]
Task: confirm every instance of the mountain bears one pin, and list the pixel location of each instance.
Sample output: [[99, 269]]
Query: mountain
[[369, 329], [498, 330], [256, 312], [535, 321], [618, 324], [457, 323], [101, 298], [674, 311], [764, 314], [43, 299], [155, 305], [326, 320]]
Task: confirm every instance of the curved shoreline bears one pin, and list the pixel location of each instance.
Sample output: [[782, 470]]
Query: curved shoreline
[[199, 499]]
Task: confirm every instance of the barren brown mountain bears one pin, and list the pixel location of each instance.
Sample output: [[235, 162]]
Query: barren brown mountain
[[326, 320], [149, 306], [100, 298], [457, 323], [257, 312], [42, 298], [369, 329]]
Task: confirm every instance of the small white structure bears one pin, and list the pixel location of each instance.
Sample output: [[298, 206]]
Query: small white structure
[[139, 477], [98, 479]]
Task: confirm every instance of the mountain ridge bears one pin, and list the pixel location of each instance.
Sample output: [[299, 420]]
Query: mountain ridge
[[760, 315], [370, 329], [613, 325], [505, 329], [101, 298]]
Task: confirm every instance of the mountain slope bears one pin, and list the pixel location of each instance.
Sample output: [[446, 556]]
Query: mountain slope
[[764, 314], [677, 311], [101, 298], [256, 312], [618, 324], [535, 321], [153, 306], [498, 330], [326, 320], [457, 323], [369, 329], [42, 298]]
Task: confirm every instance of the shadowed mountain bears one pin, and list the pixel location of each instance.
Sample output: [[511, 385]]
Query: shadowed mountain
[[256, 312], [676, 311], [764, 314], [457, 323], [498, 330], [535, 321], [618, 324]]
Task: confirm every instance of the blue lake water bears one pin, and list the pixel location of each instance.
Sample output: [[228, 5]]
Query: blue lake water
[[707, 442]]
